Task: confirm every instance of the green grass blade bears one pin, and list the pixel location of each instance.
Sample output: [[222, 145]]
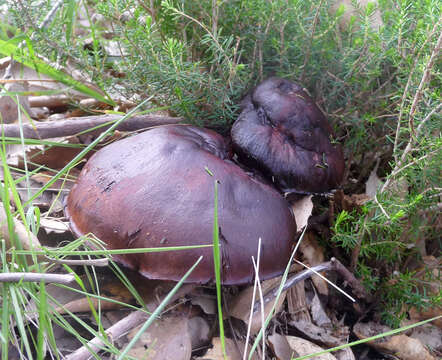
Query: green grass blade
[[42, 321], [217, 267], [126, 282], [5, 307], [56, 252], [19, 320]]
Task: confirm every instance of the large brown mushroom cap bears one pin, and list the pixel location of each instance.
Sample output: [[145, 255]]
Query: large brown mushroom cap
[[152, 190], [282, 132]]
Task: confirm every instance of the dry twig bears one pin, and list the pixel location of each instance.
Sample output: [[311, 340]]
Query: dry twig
[[61, 128], [81, 262], [36, 277]]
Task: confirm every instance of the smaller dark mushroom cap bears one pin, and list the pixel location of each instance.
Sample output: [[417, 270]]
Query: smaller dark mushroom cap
[[153, 190], [282, 132]]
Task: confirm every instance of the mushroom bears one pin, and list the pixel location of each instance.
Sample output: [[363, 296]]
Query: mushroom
[[282, 132], [153, 190]]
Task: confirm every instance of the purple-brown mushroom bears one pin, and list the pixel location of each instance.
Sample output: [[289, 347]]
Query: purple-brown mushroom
[[153, 190], [283, 133]]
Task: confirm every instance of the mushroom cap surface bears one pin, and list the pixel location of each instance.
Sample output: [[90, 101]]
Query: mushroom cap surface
[[283, 133], [153, 190]]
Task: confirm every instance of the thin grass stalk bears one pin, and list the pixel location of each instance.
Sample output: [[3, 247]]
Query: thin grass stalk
[[30, 213], [281, 286], [19, 320], [42, 323], [72, 251], [217, 268], [5, 308], [262, 303], [255, 284]]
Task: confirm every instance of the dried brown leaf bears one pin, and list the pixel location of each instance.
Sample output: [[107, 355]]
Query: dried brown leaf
[[318, 313], [206, 302], [373, 182], [302, 209], [55, 157], [313, 254], [402, 346], [54, 225], [200, 332], [281, 347], [167, 338], [305, 347], [430, 336], [11, 105], [233, 349], [323, 335]]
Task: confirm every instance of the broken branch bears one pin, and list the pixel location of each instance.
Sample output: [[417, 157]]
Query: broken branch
[[36, 277], [46, 130]]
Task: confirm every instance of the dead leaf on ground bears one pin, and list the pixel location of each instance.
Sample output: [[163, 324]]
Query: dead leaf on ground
[[28, 187], [54, 225], [402, 346], [419, 315], [373, 183], [167, 338], [344, 354], [302, 210], [313, 254], [240, 306], [234, 350], [55, 157], [318, 313], [281, 347], [324, 335], [43, 177], [206, 302], [430, 336], [305, 347], [11, 104], [200, 332]]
